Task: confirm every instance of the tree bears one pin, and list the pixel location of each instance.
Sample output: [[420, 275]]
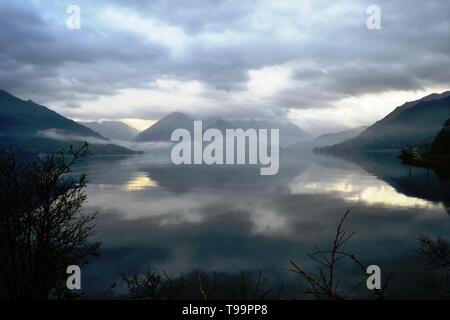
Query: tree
[[435, 254], [325, 283], [441, 144], [42, 227]]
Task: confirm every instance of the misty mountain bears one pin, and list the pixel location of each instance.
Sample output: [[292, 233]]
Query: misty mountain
[[30, 128], [19, 117], [328, 139], [289, 132], [114, 130], [415, 123], [162, 130]]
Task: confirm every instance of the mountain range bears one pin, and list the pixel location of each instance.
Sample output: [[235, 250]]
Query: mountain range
[[33, 128], [414, 123], [30, 126], [162, 130]]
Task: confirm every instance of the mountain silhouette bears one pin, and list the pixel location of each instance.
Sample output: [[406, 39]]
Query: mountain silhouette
[[30, 128], [19, 117], [162, 130], [415, 123]]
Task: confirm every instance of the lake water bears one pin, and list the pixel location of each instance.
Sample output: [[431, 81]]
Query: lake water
[[231, 219]]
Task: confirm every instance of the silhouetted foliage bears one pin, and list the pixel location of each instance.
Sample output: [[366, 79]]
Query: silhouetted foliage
[[435, 253], [325, 283], [246, 286], [152, 285], [441, 144], [42, 227], [406, 155]]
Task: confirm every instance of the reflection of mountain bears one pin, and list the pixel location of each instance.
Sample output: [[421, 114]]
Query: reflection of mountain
[[333, 175], [359, 188], [415, 122], [162, 130], [183, 178], [133, 173], [115, 130], [414, 182], [31, 128]]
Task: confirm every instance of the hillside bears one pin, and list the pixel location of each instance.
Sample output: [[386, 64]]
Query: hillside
[[413, 123], [19, 117], [162, 130], [328, 139], [29, 128]]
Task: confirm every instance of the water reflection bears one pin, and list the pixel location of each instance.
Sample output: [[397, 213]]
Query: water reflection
[[231, 219], [140, 182], [422, 183], [354, 188]]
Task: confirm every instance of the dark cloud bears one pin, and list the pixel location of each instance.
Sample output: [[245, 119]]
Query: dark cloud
[[331, 53]]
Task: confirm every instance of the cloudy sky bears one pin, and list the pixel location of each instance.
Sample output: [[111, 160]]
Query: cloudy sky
[[313, 62]]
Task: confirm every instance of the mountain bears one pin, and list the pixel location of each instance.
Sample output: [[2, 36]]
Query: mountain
[[30, 128], [415, 123], [289, 132], [162, 130], [19, 117], [328, 139], [114, 130]]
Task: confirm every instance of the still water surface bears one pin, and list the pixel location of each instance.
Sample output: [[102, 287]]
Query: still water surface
[[230, 219]]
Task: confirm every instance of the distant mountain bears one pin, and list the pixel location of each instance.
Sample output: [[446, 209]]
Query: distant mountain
[[328, 139], [31, 128], [415, 123], [289, 132], [114, 130], [162, 130], [19, 117]]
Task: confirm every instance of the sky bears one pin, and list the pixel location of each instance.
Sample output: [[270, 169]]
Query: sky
[[315, 63]]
